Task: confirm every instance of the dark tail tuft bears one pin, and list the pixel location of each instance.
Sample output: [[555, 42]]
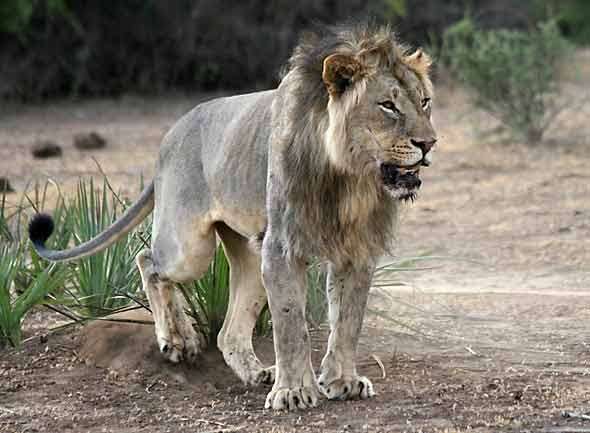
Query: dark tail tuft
[[40, 228]]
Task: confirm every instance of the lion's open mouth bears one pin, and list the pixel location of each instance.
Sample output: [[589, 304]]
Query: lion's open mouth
[[401, 182]]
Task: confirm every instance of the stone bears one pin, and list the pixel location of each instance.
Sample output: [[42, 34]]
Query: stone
[[46, 149], [89, 141]]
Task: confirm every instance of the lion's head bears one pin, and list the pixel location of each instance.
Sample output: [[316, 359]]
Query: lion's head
[[379, 102]]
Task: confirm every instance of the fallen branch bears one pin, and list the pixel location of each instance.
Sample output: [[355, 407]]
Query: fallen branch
[[378, 361], [576, 415], [220, 424]]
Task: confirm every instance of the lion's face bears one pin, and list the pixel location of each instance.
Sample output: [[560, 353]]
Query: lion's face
[[385, 121]]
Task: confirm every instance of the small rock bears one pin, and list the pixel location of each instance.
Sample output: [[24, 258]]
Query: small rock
[[5, 185], [46, 149], [90, 141]]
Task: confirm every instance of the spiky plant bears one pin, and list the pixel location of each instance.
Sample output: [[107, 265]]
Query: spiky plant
[[97, 280], [208, 297], [15, 301]]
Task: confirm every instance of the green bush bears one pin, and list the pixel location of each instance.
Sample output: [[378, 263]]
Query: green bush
[[16, 15], [15, 300], [514, 74], [572, 17], [102, 282], [57, 48], [208, 298], [5, 234], [317, 301]]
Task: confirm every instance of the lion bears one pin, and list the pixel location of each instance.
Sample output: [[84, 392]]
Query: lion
[[316, 167]]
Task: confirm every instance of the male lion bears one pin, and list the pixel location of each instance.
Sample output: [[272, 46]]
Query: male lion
[[317, 167]]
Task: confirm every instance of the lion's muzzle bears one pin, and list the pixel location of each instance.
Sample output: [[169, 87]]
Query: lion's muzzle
[[394, 177]]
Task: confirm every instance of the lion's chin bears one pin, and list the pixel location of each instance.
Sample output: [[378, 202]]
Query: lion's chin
[[401, 184], [401, 194]]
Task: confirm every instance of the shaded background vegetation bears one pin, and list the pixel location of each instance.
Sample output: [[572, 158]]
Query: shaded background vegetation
[[64, 48]]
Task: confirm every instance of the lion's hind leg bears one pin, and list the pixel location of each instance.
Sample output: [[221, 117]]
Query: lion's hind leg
[[247, 298], [177, 339]]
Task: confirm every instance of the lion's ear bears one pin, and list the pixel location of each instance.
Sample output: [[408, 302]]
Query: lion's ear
[[419, 61], [340, 70]]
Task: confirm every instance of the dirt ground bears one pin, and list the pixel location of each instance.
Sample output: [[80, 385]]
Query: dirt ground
[[495, 338]]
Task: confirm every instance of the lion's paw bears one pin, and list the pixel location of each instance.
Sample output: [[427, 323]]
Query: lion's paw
[[266, 376], [176, 348], [348, 389], [292, 399]]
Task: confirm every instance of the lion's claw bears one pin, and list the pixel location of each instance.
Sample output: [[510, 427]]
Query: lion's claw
[[348, 389], [266, 376], [292, 399], [178, 348]]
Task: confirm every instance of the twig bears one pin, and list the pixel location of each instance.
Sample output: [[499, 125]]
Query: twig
[[220, 424], [148, 388], [5, 409], [378, 361], [578, 415], [108, 184], [136, 300], [565, 430], [225, 430], [106, 319], [470, 350], [69, 315]]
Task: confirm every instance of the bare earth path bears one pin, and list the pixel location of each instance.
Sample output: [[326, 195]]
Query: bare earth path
[[497, 342]]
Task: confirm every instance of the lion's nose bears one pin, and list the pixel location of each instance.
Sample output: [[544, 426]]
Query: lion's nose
[[424, 145]]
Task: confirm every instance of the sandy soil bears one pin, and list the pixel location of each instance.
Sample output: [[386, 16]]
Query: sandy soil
[[494, 339]]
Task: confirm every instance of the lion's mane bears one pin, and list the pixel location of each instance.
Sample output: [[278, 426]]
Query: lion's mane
[[329, 212]]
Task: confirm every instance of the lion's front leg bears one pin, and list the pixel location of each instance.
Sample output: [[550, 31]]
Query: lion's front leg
[[295, 384], [347, 295]]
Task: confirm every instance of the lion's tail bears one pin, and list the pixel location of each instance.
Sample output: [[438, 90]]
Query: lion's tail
[[41, 227]]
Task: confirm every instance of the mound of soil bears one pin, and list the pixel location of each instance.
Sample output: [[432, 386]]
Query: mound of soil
[[125, 348]]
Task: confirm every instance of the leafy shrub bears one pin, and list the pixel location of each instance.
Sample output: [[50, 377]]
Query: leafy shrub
[[5, 234], [572, 17], [55, 48], [16, 15], [16, 301], [103, 281], [208, 298], [317, 301], [513, 74]]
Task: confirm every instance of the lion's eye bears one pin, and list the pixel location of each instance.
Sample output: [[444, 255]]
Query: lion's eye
[[426, 103], [389, 108]]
